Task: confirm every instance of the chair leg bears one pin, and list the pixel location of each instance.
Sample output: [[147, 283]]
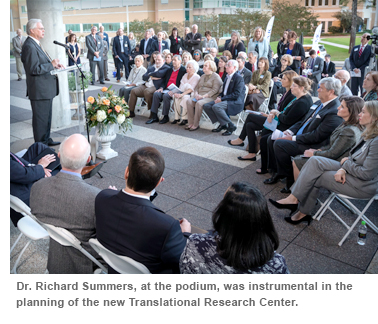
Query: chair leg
[[15, 243], [324, 206], [14, 270]]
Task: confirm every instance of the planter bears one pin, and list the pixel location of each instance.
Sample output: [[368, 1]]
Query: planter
[[73, 97], [105, 134]]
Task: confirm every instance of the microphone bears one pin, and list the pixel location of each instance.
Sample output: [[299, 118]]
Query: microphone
[[60, 44]]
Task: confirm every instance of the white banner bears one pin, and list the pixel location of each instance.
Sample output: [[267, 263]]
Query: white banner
[[315, 40], [269, 28]]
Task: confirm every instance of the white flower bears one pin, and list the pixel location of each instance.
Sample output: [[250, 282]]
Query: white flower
[[120, 119], [88, 105], [101, 115]]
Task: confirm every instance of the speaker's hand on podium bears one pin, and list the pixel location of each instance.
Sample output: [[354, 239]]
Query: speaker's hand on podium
[[56, 64]]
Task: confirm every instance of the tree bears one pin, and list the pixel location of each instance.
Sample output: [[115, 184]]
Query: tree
[[138, 27], [346, 18]]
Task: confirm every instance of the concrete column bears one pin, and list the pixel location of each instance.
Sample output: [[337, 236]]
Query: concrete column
[[50, 12]]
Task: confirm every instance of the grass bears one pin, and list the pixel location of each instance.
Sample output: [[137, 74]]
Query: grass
[[338, 40]]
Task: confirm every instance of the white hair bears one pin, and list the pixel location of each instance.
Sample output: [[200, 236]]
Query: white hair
[[254, 53], [332, 84], [234, 63], [194, 65], [31, 24], [195, 25], [178, 57]]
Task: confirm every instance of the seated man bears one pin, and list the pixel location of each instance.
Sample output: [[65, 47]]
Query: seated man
[[129, 224], [230, 101], [252, 61], [242, 70], [23, 174], [67, 201], [214, 53], [243, 54], [154, 78], [344, 77], [313, 131], [174, 75]]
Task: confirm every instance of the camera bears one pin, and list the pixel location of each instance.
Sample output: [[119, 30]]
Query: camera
[[374, 38]]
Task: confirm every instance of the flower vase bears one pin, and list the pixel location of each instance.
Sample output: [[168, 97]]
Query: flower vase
[[105, 134]]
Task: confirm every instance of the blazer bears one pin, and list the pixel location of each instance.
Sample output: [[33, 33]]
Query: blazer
[[280, 50], [235, 52], [67, 201], [285, 101], [261, 83], [246, 75], [223, 75], [161, 73], [106, 37], [151, 47], [17, 47], [135, 228], [295, 112], [298, 50], [192, 43], [263, 47], [209, 85], [175, 47], [180, 74], [318, 131], [277, 70], [126, 46], [331, 69], [234, 95], [164, 46], [360, 62], [41, 85], [94, 46], [317, 69]]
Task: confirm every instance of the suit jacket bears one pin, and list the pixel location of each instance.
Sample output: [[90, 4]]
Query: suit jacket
[[285, 101], [262, 83], [234, 95], [298, 50], [93, 46], [318, 131], [175, 47], [295, 112], [17, 45], [192, 43], [180, 74], [237, 49], [164, 46], [331, 69], [246, 75], [360, 62], [135, 228], [117, 46], [65, 200], [317, 68], [41, 85], [161, 73], [106, 38], [152, 46]]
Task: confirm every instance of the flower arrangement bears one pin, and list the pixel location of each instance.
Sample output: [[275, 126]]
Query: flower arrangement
[[107, 109]]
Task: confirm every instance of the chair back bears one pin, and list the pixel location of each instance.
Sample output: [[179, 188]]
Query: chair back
[[119, 263], [19, 206], [264, 107]]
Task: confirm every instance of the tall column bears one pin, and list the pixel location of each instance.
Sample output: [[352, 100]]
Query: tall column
[[50, 12]]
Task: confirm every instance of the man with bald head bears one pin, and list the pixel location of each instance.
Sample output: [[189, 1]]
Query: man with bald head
[[67, 201], [344, 77]]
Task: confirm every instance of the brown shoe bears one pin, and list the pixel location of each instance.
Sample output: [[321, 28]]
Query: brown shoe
[[107, 79], [118, 81]]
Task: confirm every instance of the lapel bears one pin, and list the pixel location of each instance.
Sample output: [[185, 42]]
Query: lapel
[[357, 153], [39, 48]]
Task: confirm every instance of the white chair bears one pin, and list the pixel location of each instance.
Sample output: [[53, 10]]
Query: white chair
[[264, 107], [27, 226], [119, 263], [345, 200], [243, 114]]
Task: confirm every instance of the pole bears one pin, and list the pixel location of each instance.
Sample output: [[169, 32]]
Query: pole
[[376, 14], [127, 16]]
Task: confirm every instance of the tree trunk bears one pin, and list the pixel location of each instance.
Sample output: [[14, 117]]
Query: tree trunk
[[354, 25]]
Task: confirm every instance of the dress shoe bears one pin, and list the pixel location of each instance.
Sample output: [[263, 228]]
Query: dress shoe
[[132, 114], [152, 120], [98, 80], [183, 122], [230, 129], [307, 218], [219, 128], [19, 79], [229, 142], [107, 79], [250, 159], [164, 120], [175, 121], [289, 183], [50, 142], [92, 83], [193, 129], [118, 81], [102, 82], [292, 207], [274, 179], [262, 171]]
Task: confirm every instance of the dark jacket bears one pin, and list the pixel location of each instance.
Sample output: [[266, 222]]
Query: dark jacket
[[298, 50], [236, 50], [180, 74], [286, 100], [277, 71], [331, 69], [235, 94], [192, 42], [223, 76], [117, 46], [354, 60], [280, 50], [246, 75], [175, 47], [152, 46], [161, 73]]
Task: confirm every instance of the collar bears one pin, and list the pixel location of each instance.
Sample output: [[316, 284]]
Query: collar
[[36, 40], [136, 196], [327, 102], [176, 69], [231, 75], [72, 173]]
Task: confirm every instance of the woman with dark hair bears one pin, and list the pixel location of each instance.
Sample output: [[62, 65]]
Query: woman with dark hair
[[209, 42], [236, 45], [342, 139], [296, 50], [153, 57], [281, 44], [176, 41], [222, 68], [244, 239], [371, 86], [74, 50]]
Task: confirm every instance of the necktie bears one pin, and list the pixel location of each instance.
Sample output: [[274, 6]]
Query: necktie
[[312, 63], [17, 159], [159, 47], [21, 41], [45, 52], [253, 68], [300, 131], [360, 51]]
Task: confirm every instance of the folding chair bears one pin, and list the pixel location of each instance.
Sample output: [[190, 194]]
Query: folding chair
[[119, 263], [242, 115], [27, 226], [345, 200], [264, 107]]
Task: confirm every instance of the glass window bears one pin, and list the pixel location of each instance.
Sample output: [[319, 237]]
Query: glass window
[[111, 27], [87, 27], [329, 24], [24, 9], [71, 5], [326, 2], [313, 3], [164, 1], [307, 3], [334, 2], [164, 25], [73, 27], [320, 3], [187, 4], [186, 15], [25, 28], [323, 26]]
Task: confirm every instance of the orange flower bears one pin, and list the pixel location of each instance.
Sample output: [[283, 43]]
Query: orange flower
[[123, 101], [106, 102], [104, 89], [91, 100], [117, 108], [110, 110]]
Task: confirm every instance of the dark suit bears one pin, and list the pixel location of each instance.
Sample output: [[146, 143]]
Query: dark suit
[[123, 53], [315, 135], [192, 43], [331, 70], [95, 46], [246, 75], [361, 63], [298, 50], [317, 69], [135, 228], [175, 47], [161, 73], [164, 46], [42, 87], [152, 46], [236, 50]]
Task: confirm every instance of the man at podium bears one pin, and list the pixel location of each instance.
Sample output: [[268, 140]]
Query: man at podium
[[42, 87]]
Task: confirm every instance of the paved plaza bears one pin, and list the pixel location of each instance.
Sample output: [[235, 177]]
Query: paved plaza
[[200, 166]]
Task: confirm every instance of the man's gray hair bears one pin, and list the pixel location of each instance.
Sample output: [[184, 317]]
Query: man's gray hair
[[241, 58], [150, 30], [254, 53], [31, 24], [70, 163], [162, 56], [234, 63], [195, 25], [344, 74], [332, 84], [214, 48], [178, 57]]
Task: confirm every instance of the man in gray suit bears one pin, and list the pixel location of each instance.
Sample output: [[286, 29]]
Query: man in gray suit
[[95, 47], [316, 64], [105, 55], [17, 42], [42, 87], [243, 71], [344, 77], [68, 202]]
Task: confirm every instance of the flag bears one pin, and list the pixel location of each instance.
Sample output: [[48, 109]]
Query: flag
[[315, 40], [269, 28]]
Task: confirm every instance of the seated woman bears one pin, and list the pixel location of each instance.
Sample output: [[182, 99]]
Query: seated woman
[[187, 85], [244, 239], [355, 176], [227, 54], [342, 139], [207, 90], [222, 67], [258, 88], [135, 78], [153, 57], [197, 56], [286, 61], [186, 57], [371, 86], [168, 58]]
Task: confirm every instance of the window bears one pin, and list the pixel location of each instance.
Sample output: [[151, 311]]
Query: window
[[164, 1], [24, 9], [187, 4], [320, 3], [164, 25], [329, 24], [326, 2], [187, 16], [323, 26], [87, 27], [313, 3], [25, 28], [334, 2], [73, 27], [307, 3], [112, 27]]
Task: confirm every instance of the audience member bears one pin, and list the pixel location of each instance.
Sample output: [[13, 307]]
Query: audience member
[[207, 90], [329, 67], [176, 41], [236, 45], [315, 67], [106, 36], [134, 53], [227, 54], [132, 41], [193, 40], [214, 53], [74, 50], [296, 50], [222, 68], [148, 45], [244, 55], [168, 59], [173, 76], [121, 48], [17, 42], [166, 38], [258, 43], [104, 56], [188, 82], [135, 78], [154, 37], [355, 176], [252, 61], [230, 102], [209, 42], [342, 139], [208, 57], [95, 48], [282, 44], [286, 61], [67, 201], [371, 86], [244, 72], [153, 57], [244, 239], [186, 57], [122, 216], [197, 56], [162, 44], [186, 46], [344, 77]]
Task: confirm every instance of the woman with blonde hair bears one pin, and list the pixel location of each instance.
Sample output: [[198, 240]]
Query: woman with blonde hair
[[227, 54], [132, 41], [166, 38], [236, 45], [186, 57], [286, 61], [258, 43]]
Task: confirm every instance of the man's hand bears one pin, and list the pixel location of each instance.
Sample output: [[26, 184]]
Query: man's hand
[[185, 226], [116, 56], [155, 78], [132, 85], [158, 90], [56, 64], [270, 118], [286, 132], [309, 153], [343, 160], [309, 73], [47, 173], [96, 54], [46, 160], [112, 187], [356, 70], [287, 137], [340, 176], [218, 100]]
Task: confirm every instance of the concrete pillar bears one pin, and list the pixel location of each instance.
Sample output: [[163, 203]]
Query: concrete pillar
[[50, 12]]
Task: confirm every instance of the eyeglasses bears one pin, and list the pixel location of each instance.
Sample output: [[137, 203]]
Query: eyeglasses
[[196, 54], [283, 60], [40, 28]]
